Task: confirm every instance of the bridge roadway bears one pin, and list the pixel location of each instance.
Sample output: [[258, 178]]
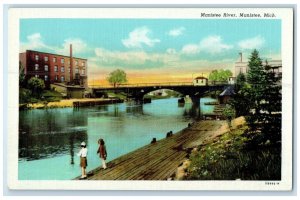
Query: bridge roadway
[[137, 91]]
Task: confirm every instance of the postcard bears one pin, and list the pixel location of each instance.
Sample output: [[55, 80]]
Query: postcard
[[150, 99]]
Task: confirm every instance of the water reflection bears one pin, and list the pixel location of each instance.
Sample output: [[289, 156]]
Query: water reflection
[[71, 141], [50, 139], [192, 111], [41, 146], [134, 109], [195, 111], [48, 133]]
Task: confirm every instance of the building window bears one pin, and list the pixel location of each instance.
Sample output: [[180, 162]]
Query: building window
[[82, 64], [54, 59], [56, 77], [46, 68], [46, 77], [36, 57], [62, 69], [62, 60], [55, 68], [69, 69], [62, 79], [76, 62], [82, 71], [36, 66], [46, 58], [76, 71]]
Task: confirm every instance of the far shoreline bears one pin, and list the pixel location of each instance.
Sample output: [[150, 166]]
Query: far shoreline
[[69, 103]]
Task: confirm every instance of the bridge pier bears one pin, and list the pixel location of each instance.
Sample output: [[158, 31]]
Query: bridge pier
[[195, 100], [196, 106], [141, 100]]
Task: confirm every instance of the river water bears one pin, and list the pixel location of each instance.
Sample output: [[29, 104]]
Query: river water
[[50, 139]]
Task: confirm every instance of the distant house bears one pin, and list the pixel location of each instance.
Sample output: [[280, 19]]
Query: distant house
[[200, 80], [226, 95]]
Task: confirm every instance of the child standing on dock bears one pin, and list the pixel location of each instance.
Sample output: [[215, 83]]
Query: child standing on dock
[[102, 152], [83, 161]]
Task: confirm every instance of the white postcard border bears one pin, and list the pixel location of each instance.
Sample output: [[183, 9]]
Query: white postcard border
[[15, 14]]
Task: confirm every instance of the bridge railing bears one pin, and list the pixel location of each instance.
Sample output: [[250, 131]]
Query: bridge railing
[[156, 84], [210, 83], [217, 82], [144, 85]]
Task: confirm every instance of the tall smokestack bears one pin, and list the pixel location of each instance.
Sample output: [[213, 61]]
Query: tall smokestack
[[71, 63], [241, 57]]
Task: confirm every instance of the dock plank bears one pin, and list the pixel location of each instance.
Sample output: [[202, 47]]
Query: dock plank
[[158, 161]]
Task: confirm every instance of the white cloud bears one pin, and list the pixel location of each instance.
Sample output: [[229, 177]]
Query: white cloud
[[141, 60], [129, 59], [144, 64], [35, 42], [78, 46], [214, 44], [252, 43], [191, 49], [139, 37], [211, 44], [176, 32]]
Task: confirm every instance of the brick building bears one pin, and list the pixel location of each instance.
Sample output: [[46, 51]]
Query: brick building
[[54, 68]]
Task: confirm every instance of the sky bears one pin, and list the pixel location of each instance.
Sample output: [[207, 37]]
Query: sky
[[153, 50]]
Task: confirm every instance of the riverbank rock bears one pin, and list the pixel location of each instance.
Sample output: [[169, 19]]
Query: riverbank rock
[[238, 122], [182, 170], [195, 151]]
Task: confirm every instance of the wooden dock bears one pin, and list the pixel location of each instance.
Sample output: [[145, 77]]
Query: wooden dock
[[159, 161]]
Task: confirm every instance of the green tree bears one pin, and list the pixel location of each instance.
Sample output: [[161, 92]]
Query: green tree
[[117, 77], [240, 81], [256, 77], [36, 86], [263, 94], [241, 101], [22, 82], [256, 74], [229, 113], [221, 75], [213, 76], [270, 107]]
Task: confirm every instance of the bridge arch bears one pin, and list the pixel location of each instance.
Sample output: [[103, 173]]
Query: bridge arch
[[163, 92], [138, 91]]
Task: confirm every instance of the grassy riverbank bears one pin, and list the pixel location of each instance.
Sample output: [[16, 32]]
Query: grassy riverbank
[[232, 156], [62, 103]]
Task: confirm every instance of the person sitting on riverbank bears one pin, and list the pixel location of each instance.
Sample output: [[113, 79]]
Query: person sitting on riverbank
[[169, 134], [83, 160], [153, 141], [102, 152]]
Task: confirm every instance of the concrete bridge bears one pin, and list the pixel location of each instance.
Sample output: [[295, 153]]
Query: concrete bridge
[[137, 91]]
